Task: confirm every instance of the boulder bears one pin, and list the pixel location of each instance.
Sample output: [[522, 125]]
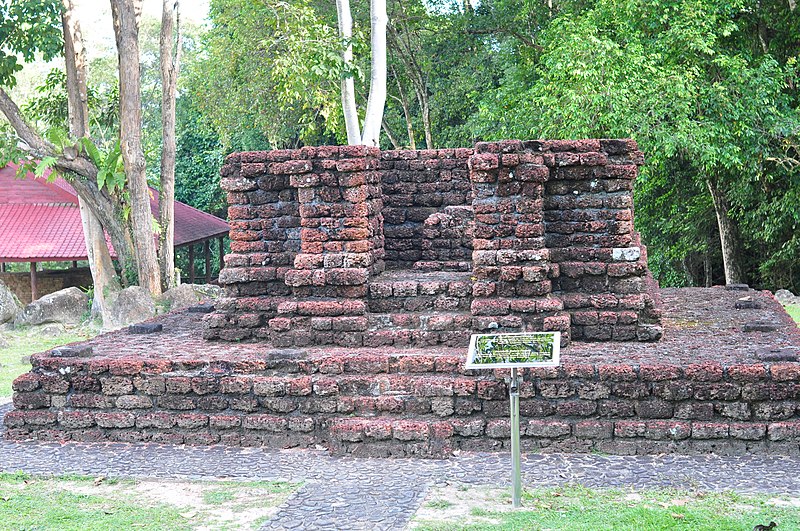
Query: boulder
[[9, 304], [181, 296], [785, 296], [67, 306], [129, 306]]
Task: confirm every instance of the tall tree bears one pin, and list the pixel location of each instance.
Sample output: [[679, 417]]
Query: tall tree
[[373, 119], [126, 14], [100, 264], [170, 52]]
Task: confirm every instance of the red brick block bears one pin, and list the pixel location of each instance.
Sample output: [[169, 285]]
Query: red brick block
[[125, 367], [547, 428], [224, 422], [616, 373], [191, 420], [657, 373], [748, 431], [34, 400], [784, 372], [710, 430], [784, 431], [115, 420], [747, 373], [116, 385], [671, 430], [409, 430], [299, 386], [235, 385], [26, 382], [265, 423], [158, 420], [704, 372], [594, 429], [269, 386], [134, 402], [178, 385]]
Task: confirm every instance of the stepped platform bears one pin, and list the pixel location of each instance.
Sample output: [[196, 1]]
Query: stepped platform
[[725, 378]]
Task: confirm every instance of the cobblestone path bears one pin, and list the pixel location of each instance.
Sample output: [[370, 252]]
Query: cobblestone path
[[345, 493]]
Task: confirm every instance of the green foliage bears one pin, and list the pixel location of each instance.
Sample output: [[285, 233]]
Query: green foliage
[[269, 74], [27, 28]]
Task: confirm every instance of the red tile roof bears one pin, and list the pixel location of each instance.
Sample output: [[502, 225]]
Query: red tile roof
[[40, 221]]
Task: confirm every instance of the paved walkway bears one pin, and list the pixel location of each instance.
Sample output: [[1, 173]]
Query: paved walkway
[[352, 494]]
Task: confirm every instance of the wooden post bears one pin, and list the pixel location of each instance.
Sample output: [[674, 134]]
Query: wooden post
[[2, 267], [191, 264], [34, 294], [74, 264], [207, 251], [221, 253]]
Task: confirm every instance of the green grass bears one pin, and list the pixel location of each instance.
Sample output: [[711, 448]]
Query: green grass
[[24, 342], [794, 312], [81, 503], [577, 508]]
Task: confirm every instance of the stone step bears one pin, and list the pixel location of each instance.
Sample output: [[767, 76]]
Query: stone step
[[446, 265]]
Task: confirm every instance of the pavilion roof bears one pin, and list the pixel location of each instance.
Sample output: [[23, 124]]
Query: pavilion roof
[[40, 220]]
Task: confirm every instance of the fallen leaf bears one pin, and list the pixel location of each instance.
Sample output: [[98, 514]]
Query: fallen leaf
[[678, 516], [189, 515], [680, 502], [557, 494], [99, 480]]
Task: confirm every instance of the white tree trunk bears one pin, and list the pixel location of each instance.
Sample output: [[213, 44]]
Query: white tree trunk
[[377, 86], [348, 84]]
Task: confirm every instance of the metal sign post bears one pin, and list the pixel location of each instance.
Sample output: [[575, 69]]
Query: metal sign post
[[516, 474], [514, 351]]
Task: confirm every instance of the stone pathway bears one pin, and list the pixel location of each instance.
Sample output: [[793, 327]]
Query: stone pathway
[[353, 494]]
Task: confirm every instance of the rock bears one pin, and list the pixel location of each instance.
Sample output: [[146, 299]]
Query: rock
[[3, 342], [180, 297], [737, 287], [47, 330], [784, 296], [67, 306], [129, 306], [747, 303], [9, 304], [145, 328], [627, 254], [187, 295], [761, 326], [209, 291]]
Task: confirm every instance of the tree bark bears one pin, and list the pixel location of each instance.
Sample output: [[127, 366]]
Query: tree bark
[[348, 84], [170, 49], [104, 276], [377, 86], [125, 14], [728, 235]]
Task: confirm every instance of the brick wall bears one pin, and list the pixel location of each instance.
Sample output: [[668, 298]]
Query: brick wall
[[377, 404], [541, 232]]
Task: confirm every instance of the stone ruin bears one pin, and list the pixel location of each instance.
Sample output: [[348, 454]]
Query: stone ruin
[[359, 247]]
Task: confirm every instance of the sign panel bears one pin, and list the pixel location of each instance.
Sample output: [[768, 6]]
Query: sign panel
[[504, 351]]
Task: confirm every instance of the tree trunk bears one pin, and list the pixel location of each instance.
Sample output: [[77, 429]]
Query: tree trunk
[[170, 49], [377, 85], [125, 14], [348, 84], [101, 266], [412, 144], [728, 235]]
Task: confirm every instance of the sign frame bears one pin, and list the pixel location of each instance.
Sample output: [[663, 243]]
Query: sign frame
[[473, 351]]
